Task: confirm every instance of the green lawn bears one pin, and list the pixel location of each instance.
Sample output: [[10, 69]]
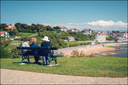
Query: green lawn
[[82, 66], [26, 34], [71, 44], [10, 46]]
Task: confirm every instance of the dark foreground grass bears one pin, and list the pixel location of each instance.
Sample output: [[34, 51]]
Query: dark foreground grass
[[95, 66]]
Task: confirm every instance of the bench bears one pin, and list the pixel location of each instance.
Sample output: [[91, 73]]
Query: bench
[[41, 50]]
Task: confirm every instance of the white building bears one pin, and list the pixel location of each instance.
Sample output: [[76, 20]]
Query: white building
[[4, 34], [74, 30], [87, 31], [62, 28], [101, 37], [125, 35], [71, 38]]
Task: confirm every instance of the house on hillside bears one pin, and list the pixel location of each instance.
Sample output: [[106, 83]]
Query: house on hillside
[[71, 38], [4, 34], [10, 27], [101, 37], [125, 35], [74, 30], [62, 28], [87, 31]]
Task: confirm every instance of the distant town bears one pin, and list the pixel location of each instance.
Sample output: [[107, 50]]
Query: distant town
[[100, 36]]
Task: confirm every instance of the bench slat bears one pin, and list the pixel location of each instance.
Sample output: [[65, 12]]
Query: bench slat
[[38, 48], [40, 55], [57, 56]]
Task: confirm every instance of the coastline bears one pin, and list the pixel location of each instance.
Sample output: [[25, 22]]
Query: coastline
[[91, 49]]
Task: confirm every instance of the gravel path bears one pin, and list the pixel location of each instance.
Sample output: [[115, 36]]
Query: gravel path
[[24, 77]]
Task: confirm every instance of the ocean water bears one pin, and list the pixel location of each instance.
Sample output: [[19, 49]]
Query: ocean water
[[122, 51]]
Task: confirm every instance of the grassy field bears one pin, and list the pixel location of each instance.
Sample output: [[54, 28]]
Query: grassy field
[[71, 44], [10, 46], [26, 34], [82, 66]]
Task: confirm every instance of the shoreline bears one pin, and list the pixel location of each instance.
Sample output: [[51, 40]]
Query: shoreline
[[88, 50]]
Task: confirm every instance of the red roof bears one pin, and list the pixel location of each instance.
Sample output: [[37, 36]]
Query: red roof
[[1, 32], [103, 34], [9, 27], [62, 27], [125, 33], [117, 37], [87, 29]]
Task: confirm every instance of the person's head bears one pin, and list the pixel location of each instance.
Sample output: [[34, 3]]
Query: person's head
[[33, 40], [46, 39], [27, 39]]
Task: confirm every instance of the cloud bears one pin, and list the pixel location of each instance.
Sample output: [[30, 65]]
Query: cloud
[[108, 23], [95, 25]]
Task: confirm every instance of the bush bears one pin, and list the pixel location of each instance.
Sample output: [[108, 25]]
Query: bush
[[14, 53], [5, 54], [76, 53]]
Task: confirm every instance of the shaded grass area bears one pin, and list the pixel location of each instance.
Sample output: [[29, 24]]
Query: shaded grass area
[[82, 66]]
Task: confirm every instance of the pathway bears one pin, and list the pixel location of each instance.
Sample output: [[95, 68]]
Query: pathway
[[24, 77]]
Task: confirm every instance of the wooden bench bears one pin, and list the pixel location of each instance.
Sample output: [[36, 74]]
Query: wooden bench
[[40, 49]]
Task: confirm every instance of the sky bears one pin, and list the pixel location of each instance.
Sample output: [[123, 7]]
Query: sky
[[95, 15]]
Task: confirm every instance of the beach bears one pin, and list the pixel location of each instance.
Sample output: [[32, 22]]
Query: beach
[[90, 49]]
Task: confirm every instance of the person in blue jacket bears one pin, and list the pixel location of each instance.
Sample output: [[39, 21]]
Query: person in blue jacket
[[35, 52], [46, 43]]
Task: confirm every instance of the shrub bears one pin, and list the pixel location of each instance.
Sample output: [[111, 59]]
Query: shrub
[[76, 53], [5, 54], [14, 53]]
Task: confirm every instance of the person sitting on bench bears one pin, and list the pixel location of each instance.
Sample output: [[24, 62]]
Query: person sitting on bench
[[35, 52], [46, 43], [26, 44]]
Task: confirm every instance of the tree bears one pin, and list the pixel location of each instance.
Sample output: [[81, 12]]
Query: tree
[[48, 28], [15, 31], [2, 26], [56, 28], [38, 30], [18, 26]]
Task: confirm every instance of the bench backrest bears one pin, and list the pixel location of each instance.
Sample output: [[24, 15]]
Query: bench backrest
[[40, 50]]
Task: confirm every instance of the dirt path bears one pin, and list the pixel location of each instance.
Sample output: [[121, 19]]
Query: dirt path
[[24, 77]]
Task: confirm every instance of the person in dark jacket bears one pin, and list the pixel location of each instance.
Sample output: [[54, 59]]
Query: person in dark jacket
[[46, 57], [35, 52]]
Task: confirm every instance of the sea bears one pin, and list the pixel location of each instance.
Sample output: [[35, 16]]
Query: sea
[[122, 51]]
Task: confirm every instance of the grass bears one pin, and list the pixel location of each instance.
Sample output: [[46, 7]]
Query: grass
[[71, 44], [26, 34], [10, 46], [82, 66], [112, 46]]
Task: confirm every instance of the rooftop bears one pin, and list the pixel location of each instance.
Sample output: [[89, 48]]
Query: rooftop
[[9, 27], [1, 32]]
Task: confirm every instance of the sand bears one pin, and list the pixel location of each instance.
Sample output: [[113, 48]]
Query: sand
[[91, 50]]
